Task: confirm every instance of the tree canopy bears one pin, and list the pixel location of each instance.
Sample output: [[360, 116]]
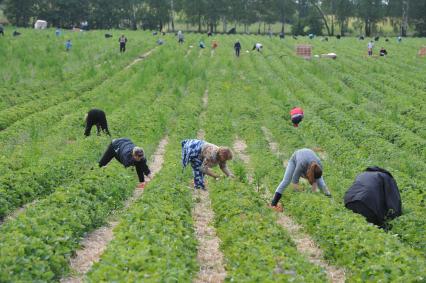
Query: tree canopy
[[305, 16]]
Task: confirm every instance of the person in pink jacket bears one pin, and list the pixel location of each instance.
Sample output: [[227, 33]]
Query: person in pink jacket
[[296, 116]]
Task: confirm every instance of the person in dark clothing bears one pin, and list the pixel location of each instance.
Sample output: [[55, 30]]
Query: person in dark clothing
[[122, 40], [383, 52], [125, 151], [375, 195], [96, 117], [237, 47], [1, 30]]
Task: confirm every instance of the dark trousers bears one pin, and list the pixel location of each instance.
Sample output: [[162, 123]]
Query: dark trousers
[[122, 47], [237, 52], [361, 208], [2, 32], [102, 126], [108, 155]]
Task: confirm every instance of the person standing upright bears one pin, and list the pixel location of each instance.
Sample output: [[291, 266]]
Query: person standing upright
[[237, 47], [122, 40]]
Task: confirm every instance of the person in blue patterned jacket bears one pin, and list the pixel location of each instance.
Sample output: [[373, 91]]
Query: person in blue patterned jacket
[[203, 156]]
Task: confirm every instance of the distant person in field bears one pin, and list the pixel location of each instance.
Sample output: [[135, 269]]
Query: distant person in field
[[370, 46], [1, 30], [303, 163], [125, 151], [58, 32], [383, 52], [68, 45], [122, 40], [282, 35], [375, 195], [96, 117], [202, 44], [181, 37], [258, 47], [203, 156], [237, 47], [214, 45], [296, 116]]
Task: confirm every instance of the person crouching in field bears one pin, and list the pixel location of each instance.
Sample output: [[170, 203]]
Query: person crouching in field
[[96, 117], [258, 47], [125, 151], [383, 52], [203, 156], [303, 163], [296, 116]]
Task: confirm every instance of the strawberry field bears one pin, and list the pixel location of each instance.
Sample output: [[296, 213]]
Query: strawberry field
[[359, 111]]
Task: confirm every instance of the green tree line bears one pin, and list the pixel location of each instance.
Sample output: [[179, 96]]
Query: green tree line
[[304, 16]]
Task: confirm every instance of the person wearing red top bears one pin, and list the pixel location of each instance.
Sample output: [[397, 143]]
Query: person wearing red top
[[296, 116]]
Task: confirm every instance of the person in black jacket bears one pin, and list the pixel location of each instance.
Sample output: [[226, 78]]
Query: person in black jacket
[[237, 47], [375, 195], [125, 151], [96, 117]]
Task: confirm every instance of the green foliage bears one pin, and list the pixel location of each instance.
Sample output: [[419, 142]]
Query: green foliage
[[39, 242]]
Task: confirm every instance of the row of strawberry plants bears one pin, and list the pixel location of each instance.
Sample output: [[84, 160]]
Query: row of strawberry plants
[[380, 127], [359, 135], [376, 91], [346, 243], [387, 157], [55, 225], [58, 167], [22, 186], [29, 77], [55, 94], [400, 56], [255, 246], [18, 139], [155, 239]]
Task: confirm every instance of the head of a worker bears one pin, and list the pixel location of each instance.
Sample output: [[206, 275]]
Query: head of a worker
[[224, 154], [314, 172], [137, 153]]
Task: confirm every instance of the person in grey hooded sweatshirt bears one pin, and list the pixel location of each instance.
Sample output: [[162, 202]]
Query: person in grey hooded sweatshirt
[[303, 163], [125, 151]]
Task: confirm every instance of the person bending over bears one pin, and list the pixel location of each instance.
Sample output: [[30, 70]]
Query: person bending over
[[203, 156], [96, 117], [303, 163], [125, 151], [296, 116]]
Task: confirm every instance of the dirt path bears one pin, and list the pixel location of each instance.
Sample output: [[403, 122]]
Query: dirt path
[[141, 57], [304, 243], [96, 242], [209, 256]]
